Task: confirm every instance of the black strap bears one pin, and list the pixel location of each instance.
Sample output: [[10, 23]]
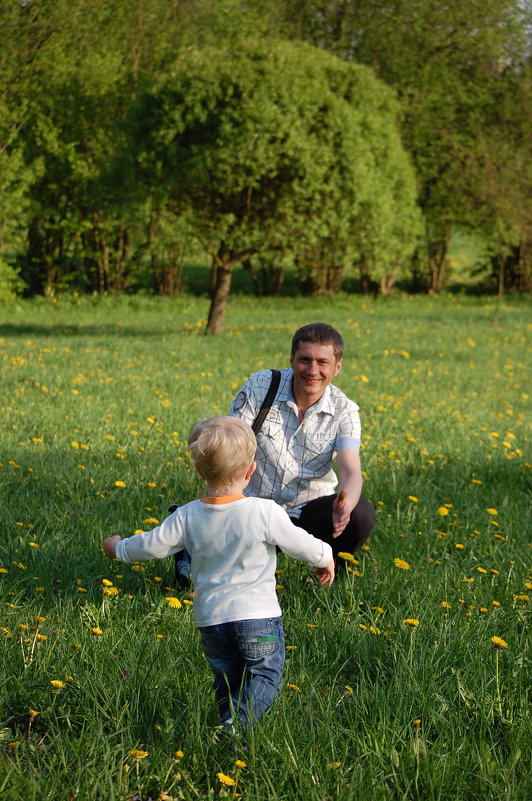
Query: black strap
[[267, 402]]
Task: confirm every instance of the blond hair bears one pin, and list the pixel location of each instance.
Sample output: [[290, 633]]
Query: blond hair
[[222, 448]]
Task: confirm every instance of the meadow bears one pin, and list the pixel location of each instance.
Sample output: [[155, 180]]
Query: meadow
[[408, 679]]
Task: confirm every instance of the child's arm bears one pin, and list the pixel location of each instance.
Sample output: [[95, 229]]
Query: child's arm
[[109, 546], [326, 574]]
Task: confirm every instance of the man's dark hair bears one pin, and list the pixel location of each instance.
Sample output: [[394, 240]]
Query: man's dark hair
[[319, 334]]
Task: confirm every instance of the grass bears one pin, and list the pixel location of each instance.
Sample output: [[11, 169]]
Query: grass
[[97, 396]]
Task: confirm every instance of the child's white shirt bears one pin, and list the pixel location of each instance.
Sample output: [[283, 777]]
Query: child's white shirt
[[233, 551]]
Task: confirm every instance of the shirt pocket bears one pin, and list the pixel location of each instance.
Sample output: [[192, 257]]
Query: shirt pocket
[[318, 454]]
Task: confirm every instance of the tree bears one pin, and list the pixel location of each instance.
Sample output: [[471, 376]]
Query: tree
[[446, 62], [277, 149]]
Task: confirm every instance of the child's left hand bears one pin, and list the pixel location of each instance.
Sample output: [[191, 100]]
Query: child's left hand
[[109, 546]]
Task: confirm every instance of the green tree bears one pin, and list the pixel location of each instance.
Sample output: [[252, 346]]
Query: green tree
[[446, 61], [277, 149]]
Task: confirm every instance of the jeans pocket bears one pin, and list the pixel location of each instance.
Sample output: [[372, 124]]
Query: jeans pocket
[[256, 638]]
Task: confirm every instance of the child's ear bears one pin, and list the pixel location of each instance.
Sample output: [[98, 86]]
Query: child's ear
[[198, 471], [251, 470]]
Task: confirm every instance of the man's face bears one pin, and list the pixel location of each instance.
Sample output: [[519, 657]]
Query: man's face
[[314, 368]]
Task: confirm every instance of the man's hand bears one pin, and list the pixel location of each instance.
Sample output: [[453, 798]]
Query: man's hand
[[326, 574], [341, 513], [109, 546]]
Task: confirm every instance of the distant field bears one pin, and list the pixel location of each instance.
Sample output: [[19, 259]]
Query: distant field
[[97, 396]]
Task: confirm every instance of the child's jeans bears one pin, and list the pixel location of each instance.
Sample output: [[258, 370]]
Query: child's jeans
[[247, 659]]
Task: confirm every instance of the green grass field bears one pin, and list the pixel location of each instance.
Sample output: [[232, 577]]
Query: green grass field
[[97, 396]]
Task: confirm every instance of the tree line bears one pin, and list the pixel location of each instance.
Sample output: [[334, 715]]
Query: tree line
[[326, 137]]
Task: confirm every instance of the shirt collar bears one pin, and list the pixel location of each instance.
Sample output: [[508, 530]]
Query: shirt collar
[[325, 403]]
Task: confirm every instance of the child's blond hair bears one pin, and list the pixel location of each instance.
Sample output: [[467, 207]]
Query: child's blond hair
[[223, 448]]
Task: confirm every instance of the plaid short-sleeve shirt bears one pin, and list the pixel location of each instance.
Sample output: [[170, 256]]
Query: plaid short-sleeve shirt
[[294, 460]]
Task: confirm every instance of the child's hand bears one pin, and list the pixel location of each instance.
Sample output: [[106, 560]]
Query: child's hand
[[325, 574], [109, 546]]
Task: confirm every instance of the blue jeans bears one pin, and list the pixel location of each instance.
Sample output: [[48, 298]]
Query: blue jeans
[[247, 659]]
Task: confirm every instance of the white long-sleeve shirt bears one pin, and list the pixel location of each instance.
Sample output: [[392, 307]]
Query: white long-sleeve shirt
[[233, 548]]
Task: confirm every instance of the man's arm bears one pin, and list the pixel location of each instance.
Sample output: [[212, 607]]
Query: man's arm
[[349, 488]]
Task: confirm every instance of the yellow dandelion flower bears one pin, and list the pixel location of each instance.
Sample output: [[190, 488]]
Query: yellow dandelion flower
[[179, 754], [138, 754], [40, 619], [363, 627], [173, 602], [107, 583], [401, 564], [446, 605], [152, 520], [227, 780], [97, 631], [413, 498], [6, 631], [33, 545], [57, 684], [188, 602], [32, 713], [240, 764], [442, 511], [459, 546], [468, 580], [120, 484], [417, 723], [481, 570], [41, 637], [291, 647], [109, 591], [411, 621], [498, 642], [294, 687], [492, 511], [3, 570], [347, 556], [332, 765]]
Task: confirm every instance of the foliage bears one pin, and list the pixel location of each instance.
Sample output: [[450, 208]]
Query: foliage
[[279, 152], [97, 393]]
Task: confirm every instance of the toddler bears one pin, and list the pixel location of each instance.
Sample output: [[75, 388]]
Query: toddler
[[232, 540]]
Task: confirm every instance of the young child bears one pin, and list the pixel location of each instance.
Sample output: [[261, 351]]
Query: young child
[[232, 540]]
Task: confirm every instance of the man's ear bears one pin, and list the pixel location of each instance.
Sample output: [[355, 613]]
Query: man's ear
[[198, 471], [338, 367], [251, 470]]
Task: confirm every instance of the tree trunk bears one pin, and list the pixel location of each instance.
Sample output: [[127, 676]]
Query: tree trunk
[[502, 265], [215, 322]]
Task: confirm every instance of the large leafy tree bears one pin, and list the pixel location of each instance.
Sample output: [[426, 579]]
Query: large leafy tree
[[448, 64], [275, 150]]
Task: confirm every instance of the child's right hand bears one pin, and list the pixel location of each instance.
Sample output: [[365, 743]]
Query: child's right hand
[[325, 574], [109, 546]]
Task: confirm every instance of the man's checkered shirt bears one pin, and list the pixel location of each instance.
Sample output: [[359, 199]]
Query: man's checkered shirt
[[294, 460]]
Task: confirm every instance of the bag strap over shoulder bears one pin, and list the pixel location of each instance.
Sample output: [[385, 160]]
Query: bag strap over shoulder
[[267, 402]]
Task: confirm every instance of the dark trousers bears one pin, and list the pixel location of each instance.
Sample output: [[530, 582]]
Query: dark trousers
[[316, 518]]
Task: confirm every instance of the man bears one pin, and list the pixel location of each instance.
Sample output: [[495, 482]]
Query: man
[[310, 423]]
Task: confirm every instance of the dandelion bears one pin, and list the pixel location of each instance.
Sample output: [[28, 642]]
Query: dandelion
[[442, 511], [138, 754], [107, 583], [294, 687], [57, 684], [33, 545], [32, 713], [413, 499], [459, 546], [241, 764], [499, 644], [179, 754], [492, 511], [481, 570], [347, 556], [96, 631], [120, 484], [411, 621], [173, 602], [151, 520], [226, 780], [445, 605], [401, 564]]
